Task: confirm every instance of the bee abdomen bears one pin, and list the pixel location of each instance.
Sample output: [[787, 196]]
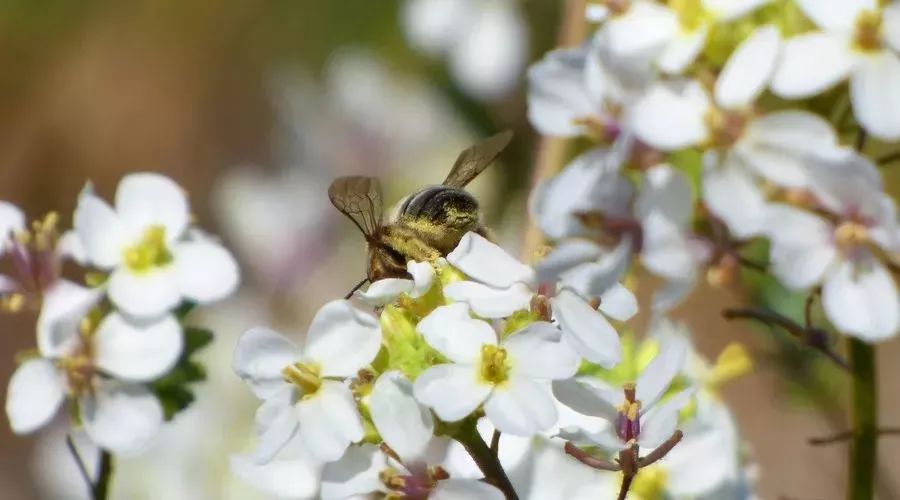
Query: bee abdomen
[[441, 205]]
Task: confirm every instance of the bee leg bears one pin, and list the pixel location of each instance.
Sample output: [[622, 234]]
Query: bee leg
[[411, 246]]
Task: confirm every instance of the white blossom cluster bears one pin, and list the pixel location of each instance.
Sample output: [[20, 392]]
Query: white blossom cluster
[[473, 344], [718, 123], [107, 346]]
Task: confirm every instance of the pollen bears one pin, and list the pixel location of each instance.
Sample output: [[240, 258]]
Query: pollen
[[851, 234], [494, 364], [304, 376], [150, 251], [867, 32]]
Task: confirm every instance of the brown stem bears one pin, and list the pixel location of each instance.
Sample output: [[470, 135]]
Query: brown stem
[[590, 460], [495, 443], [662, 450], [552, 151], [487, 462], [848, 435]]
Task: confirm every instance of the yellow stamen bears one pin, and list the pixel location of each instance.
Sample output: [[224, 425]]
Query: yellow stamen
[[304, 376], [494, 364], [150, 251], [867, 33], [851, 234]]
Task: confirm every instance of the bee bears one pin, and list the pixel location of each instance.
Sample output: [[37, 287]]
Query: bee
[[426, 224]]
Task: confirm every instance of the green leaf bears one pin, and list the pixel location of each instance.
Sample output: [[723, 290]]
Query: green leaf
[[174, 390]]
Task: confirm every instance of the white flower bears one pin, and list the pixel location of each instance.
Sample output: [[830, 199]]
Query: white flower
[[293, 474], [484, 42], [117, 411], [385, 291], [508, 377], [860, 40], [778, 146], [407, 430], [859, 294], [670, 36], [502, 287], [303, 390], [636, 416], [146, 246], [12, 220]]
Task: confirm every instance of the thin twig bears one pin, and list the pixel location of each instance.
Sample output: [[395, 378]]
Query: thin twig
[[590, 460], [888, 158], [495, 443], [807, 309], [847, 435], [487, 462], [82, 469]]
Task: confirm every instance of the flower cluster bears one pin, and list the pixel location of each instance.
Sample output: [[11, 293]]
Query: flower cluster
[[116, 348], [471, 345], [720, 123]]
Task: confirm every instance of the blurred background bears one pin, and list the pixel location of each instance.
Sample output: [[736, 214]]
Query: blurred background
[[254, 106]]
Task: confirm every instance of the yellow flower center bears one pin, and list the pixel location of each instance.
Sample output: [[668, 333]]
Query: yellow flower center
[[150, 251], [304, 376], [79, 370], [494, 364], [851, 234], [725, 127], [691, 14], [867, 32]]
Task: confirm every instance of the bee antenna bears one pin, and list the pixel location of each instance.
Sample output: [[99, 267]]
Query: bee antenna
[[355, 288]]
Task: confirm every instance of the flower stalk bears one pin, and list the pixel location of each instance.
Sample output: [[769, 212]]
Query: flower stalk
[[484, 457], [864, 418]]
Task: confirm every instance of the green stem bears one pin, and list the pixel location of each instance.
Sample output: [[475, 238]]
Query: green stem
[[487, 462], [104, 475], [864, 418]]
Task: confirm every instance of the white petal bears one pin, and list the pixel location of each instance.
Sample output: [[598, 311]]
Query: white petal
[[557, 94], [802, 246], [455, 334], [641, 31], [329, 421], [659, 373], [423, 276], [259, 358], [206, 272], [489, 302], [139, 350], [277, 423], [36, 391], [384, 291], [667, 120], [285, 478], [452, 391], [100, 230], [488, 263], [861, 300], [595, 279], [835, 15], [147, 199], [778, 145], [875, 94], [672, 293], [342, 339], [811, 64], [355, 475], [564, 256], [618, 302], [682, 50], [586, 329], [65, 304], [732, 195], [747, 71], [70, 246], [659, 423], [145, 294], [666, 250], [667, 191], [465, 489], [405, 426], [521, 407], [537, 351], [589, 396], [728, 10], [890, 25], [122, 418]]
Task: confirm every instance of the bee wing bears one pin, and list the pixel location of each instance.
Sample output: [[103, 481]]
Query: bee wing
[[359, 198], [474, 160]]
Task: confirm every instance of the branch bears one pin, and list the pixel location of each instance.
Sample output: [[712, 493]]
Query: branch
[[590, 460], [847, 435], [487, 462]]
